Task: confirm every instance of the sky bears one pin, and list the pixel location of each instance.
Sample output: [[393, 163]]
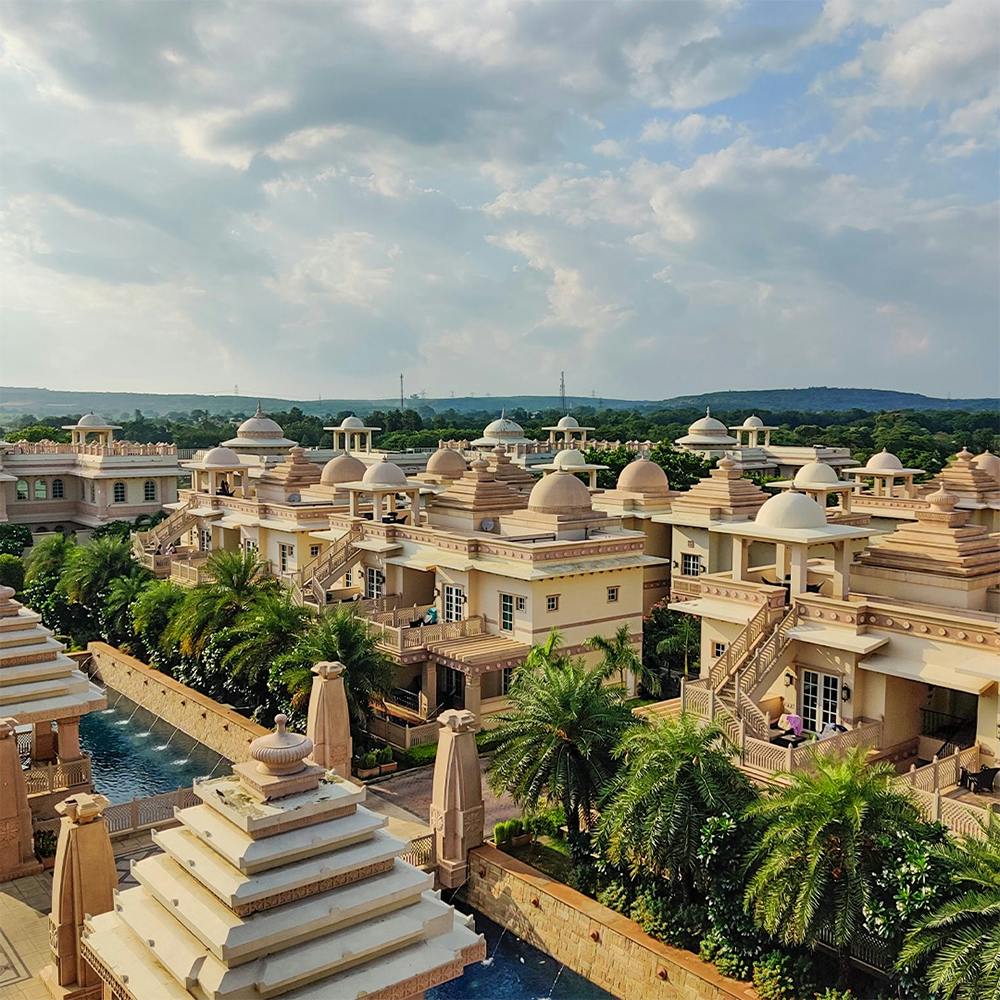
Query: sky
[[305, 200]]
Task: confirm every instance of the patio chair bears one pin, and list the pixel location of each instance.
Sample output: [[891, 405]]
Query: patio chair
[[983, 781]]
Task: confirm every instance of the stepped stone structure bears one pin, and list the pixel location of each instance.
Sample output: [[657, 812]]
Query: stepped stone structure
[[83, 884], [280, 883], [723, 495], [457, 814], [16, 853], [329, 724]]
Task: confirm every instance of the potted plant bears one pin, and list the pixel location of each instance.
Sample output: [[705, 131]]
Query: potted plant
[[368, 767], [519, 836], [45, 847], [502, 834], [386, 765]]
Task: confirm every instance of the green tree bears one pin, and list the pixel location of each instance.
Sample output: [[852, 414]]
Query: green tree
[[683, 643], [11, 571], [556, 741], [339, 635], [619, 656], [48, 557], [959, 942], [14, 539], [821, 849], [676, 775], [90, 569], [152, 612], [115, 615]]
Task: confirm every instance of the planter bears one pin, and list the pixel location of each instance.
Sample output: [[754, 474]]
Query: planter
[[364, 773], [388, 768], [48, 863], [520, 840]]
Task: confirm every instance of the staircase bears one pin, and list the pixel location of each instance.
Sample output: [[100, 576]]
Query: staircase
[[726, 667], [310, 584], [167, 531]]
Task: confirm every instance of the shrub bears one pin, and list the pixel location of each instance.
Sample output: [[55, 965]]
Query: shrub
[[727, 957], [616, 896], [11, 571], [781, 975], [546, 823], [370, 760], [516, 827], [584, 878], [669, 919], [385, 755], [14, 539], [45, 843], [501, 832], [832, 993]]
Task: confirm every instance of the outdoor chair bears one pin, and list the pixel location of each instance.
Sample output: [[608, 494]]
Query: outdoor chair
[[983, 781]]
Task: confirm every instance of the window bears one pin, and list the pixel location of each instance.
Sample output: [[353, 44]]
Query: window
[[249, 546], [552, 602], [41, 489], [22, 490], [612, 595], [313, 551], [690, 565], [205, 539], [505, 678], [820, 700], [718, 649], [93, 492], [454, 603], [58, 489], [118, 492], [286, 557], [149, 490], [521, 603], [506, 613], [349, 578], [373, 582]]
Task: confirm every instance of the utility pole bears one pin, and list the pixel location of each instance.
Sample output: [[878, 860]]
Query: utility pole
[[562, 390], [400, 392]]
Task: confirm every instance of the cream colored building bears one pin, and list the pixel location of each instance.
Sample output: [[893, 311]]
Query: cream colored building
[[51, 486]]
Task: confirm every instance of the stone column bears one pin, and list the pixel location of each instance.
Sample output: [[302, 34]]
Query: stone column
[[799, 570], [83, 885], [841, 569], [473, 693], [329, 721], [68, 740], [43, 742], [457, 816], [740, 558], [16, 853], [429, 684]]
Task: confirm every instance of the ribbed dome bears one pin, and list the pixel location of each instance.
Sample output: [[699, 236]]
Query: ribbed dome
[[91, 420], [643, 476], [221, 458], [384, 473], [791, 510], [568, 423], [884, 461], [815, 474], [988, 462], [569, 458], [708, 425], [342, 469], [560, 493], [446, 462], [259, 426], [752, 422], [503, 427], [351, 423]]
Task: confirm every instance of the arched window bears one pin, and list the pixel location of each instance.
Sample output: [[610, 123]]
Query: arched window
[[58, 491], [41, 490], [149, 490], [21, 491], [118, 492]]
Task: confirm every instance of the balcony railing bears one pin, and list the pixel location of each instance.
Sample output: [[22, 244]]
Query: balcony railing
[[404, 698], [57, 776], [400, 639]]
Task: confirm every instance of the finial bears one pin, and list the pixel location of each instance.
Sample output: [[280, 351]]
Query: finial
[[259, 412], [942, 500], [708, 411], [726, 463], [280, 752], [965, 456]]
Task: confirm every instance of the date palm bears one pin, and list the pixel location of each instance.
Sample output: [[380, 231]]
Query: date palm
[[90, 568], [152, 612], [683, 642], [619, 656], [47, 557], [959, 942], [676, 775], [556, 741], [116, 612]]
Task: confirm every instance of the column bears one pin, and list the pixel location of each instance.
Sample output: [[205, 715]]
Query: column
[[328, 723], [16, 855], [841, 569], [376, 508], [780, 561], [43, 742], [68, 740], [473, 694], [429, 686], [845, 501], [799, 569], [415, 508], [740, 558]]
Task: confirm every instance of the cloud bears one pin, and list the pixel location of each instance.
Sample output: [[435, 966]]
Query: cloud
[[686, 130]]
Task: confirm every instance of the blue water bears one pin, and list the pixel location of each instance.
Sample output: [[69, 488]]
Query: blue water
[[514, 971], [133, 754]]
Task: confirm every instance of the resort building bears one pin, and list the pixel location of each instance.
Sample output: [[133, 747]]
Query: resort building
[[50, 486]]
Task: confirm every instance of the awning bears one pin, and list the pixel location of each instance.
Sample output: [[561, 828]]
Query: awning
[[940, 664], [206, 512], [838, 638], [429, 561], [738, 612]]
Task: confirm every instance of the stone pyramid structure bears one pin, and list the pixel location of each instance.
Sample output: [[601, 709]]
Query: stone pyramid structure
[[964, 478], [506, 471], [478, 496], [279, 883], [723, 496], [289, 477]]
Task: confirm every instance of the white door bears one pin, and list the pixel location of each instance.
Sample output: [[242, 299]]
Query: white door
[[454, 603], [373, 582], [820, 700]]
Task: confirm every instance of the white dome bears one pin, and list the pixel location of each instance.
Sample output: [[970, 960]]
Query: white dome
[[569, 458], [221, 458], [642, 476], [884, 461], [568, 423], [503, 427], [791, 510], [708, 425], [988, 462], [259, 426], [446, 462], [384, 473], [351, 423], [815, 474], [559, 493], [342, 469], [752, 422], [91, 420]]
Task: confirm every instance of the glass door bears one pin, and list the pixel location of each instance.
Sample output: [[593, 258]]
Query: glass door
[[820, 700], [454, 603]]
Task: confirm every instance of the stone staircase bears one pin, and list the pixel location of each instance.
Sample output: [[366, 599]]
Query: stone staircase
[[311, 583], [167, 531]]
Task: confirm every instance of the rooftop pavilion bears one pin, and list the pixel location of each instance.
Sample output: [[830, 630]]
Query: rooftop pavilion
[[571, 460], [259, 435], [707, 436], [503, 431], [748, 434], [884, 470], [385, 482], [819, 482], [352, 435], [567, 433], [91, 424]]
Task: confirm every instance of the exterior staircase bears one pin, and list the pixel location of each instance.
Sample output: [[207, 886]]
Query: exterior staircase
[[168, 530], [310, 584]]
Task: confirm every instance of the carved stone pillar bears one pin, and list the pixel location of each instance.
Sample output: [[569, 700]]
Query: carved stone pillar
[[83, 884], [68, 740], [457, 815], [329, 722], [16, 852], [43, 743]]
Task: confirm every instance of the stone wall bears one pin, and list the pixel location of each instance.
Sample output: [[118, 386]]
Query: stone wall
[[217, 727], [601, 945]]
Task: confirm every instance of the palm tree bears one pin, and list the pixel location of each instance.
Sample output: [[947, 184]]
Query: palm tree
[[340, 635], [820, 848], [116, 613], [620, 656], [960, 940], [238, 579], [152, 611], [676, 775], [47, 557], [684, 642], [90, 568], [556, 741]]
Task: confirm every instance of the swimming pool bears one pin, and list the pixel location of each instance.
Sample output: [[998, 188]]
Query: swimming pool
[[133, 754]]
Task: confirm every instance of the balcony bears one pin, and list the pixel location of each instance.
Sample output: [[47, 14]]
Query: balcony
[[189, 568], [398, 635]]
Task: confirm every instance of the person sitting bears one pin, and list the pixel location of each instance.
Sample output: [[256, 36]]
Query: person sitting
[[224, 490], [431, 617]]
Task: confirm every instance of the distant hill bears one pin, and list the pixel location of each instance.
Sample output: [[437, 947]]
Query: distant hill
[[42, 402]]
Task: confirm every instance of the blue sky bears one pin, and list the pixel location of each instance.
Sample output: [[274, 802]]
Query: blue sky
[[657, 198]]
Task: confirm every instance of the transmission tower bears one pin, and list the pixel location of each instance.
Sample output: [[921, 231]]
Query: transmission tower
[[562, 390], [400, 392]]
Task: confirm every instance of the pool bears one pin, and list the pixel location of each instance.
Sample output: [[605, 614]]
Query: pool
[[514, 970], [133, 754]]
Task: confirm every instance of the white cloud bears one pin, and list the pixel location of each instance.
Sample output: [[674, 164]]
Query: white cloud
[[688, 129], [611, 149]]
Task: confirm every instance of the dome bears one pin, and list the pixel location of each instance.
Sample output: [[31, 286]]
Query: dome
[[568, 423], [503, 427], [815, 474], [643, 476], [560, 493], [569, 459], [791, 510], [708, 425], [352, 424], [220, 458], [988, 462], [91, 420], [446, 462], [259, 426], [342, 469], [884, 461], [384, 473], [752, 422]]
